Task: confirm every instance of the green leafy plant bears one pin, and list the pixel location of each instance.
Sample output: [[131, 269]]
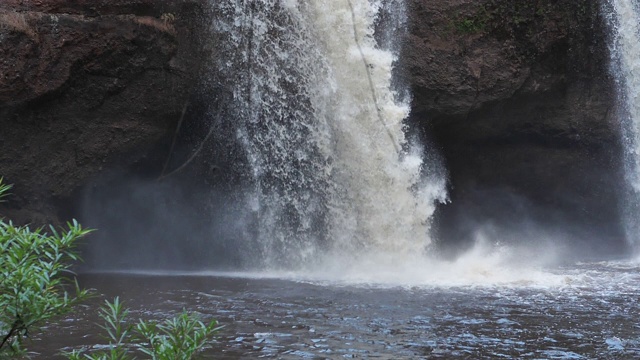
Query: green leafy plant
[[4, 189], [180, 338], [34, 278]]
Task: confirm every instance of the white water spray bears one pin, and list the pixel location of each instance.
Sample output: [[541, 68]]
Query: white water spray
[[323, 130], [625, 52]]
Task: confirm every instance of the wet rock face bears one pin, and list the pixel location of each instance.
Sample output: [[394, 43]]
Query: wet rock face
[[517, 98], [94, 8], [85, 85], [514, 94], [462, 54]]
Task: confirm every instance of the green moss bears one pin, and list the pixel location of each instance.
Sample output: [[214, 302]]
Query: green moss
[[470, 25], [473, 24]]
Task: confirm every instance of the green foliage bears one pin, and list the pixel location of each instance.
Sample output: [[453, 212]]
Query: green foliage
[[471, 25], [3, 189], [34, 270], [474, 23], [180, 338]]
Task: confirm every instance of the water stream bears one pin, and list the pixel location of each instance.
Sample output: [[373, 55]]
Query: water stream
[[332, 171], [624, 21]]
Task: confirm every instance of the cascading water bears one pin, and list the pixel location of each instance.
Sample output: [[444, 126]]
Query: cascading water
[[331, 169], [625, 51]]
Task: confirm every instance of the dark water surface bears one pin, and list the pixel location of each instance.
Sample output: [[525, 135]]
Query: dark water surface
[[595, 314]]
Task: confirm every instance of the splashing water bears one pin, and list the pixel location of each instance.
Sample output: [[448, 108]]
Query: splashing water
[[322, 127], [624, 21]]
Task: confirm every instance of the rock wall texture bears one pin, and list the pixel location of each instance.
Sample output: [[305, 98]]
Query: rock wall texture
[[87, 85], [517, 97], [514, 95]]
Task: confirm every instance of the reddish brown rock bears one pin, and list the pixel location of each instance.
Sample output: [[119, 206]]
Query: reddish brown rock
[[83, 86], [104, 7]]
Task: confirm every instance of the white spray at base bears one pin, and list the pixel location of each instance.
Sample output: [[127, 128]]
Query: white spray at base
[[624, 21]]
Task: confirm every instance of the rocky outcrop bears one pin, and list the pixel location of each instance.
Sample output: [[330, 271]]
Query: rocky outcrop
[[514, 95], [86, 85], [517, 97]]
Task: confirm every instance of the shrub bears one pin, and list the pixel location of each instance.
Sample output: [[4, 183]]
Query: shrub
[[180, 338], [34, 278]]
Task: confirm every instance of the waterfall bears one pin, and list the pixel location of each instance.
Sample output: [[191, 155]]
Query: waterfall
[[321, 120], [624, 21]]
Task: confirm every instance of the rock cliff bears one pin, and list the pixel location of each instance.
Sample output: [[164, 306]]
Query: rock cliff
[[514, 95], [517, 98], [87, 85]]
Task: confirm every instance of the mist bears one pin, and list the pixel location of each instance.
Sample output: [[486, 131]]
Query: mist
[[170, 225]]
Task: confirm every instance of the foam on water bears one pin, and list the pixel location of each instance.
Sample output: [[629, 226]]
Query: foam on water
[[480, 270]]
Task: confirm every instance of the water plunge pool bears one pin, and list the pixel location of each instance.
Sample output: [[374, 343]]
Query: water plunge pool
[[591, 313]]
